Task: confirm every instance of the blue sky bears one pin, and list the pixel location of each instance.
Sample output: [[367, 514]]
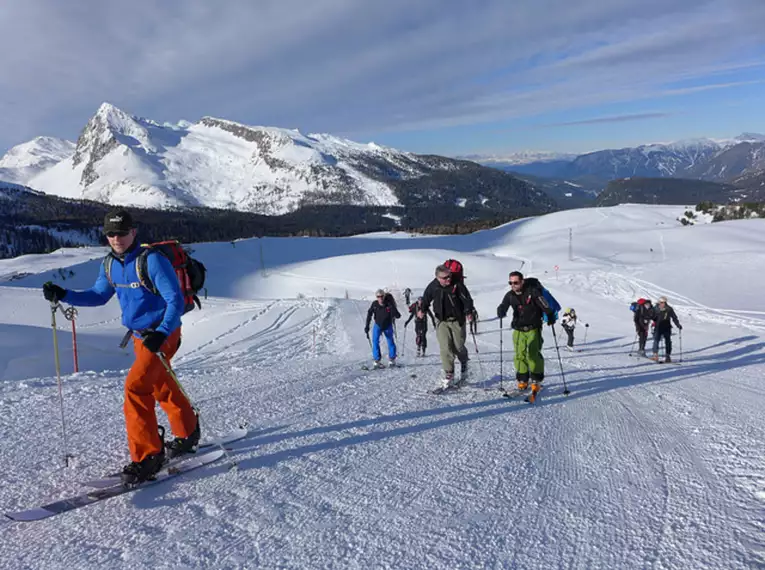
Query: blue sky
[[448, 76]]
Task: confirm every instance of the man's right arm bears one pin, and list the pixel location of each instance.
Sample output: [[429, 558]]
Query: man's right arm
[[427, 296], [99, 294], [504, 306]]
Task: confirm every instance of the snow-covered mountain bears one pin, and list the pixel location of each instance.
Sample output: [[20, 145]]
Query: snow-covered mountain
[[652, 160], [123, 159], [23, 162]]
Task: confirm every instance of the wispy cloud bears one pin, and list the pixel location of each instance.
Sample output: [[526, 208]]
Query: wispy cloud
[[611, 119], [346, 66]]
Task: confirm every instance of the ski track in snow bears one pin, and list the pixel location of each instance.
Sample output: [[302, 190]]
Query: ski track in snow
[[643, 465]]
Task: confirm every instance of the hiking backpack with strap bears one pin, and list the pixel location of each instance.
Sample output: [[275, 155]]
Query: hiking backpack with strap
[[189, 271], [456, 269], [552, 301]]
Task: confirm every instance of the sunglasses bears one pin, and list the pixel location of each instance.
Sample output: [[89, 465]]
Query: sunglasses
[[444, 277], [514, 282], [379, 296], [116, 234]]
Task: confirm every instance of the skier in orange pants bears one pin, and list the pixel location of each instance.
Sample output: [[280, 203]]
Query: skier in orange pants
[[154, 320]]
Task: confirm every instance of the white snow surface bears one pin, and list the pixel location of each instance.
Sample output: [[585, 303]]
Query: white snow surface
[[642, 466]]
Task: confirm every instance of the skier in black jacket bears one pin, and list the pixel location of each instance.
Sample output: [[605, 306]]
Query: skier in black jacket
[[529, 306], [420, 315], [662, 315], [384, 310], [452, 305]]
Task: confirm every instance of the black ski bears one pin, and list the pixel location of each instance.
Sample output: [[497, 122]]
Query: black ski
[[96, 495]]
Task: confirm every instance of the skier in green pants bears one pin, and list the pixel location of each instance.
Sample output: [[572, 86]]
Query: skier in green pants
[[529, 306]]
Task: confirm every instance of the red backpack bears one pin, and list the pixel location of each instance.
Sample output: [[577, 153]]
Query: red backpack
[[190, 272], [456, 269]]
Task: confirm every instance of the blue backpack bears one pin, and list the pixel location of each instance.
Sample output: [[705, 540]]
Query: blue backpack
[[552, 301]]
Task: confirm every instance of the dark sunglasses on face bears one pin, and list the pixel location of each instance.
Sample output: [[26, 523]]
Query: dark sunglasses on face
[[116, 234], [514, 282], [444, 277]]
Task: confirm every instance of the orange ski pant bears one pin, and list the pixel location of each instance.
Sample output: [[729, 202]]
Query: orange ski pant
[[148, 382]]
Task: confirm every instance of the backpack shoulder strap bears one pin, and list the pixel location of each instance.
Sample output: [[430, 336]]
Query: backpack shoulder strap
[[142, 270], [107, 263]]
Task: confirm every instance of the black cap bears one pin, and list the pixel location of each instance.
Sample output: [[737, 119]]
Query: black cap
[[118, 221]]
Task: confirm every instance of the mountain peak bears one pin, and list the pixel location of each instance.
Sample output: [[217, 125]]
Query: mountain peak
[[24, 161], [750, 137]]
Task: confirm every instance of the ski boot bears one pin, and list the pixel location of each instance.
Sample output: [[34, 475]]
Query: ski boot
[[668, 359], [448, 380], [377, 365], [536, 387], [137, 472], [655, 357], [181, 445], [641, 352], [392, 363]]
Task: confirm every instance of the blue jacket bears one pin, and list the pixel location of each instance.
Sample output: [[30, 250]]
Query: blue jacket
[[140, 307]]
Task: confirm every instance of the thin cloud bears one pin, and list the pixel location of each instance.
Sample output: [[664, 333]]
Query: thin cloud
[[611, 119]]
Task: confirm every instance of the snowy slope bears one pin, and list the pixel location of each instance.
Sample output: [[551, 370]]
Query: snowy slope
[[642, 466], [25, 161]]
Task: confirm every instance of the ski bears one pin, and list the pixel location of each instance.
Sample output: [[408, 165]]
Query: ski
[[114, 478], [94, 496], [514, 393], [381, 367], [453, 388]]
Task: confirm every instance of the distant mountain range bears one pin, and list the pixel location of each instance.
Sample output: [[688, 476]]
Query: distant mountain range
[[122, 159], [703, 159]]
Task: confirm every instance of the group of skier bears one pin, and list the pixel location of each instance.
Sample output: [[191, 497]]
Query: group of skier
[[533, 306], [660, 317], [447, 302]]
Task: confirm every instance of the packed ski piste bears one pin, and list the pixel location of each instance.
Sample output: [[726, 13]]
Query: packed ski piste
[[505, 399]]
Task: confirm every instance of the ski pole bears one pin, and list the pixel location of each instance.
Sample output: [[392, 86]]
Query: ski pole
[[500, 354], [586, 330], [475, 343], [171, 372], [74, 347], [681, 345], [403, 344], [560, 362], [53, 308], [632, 347]]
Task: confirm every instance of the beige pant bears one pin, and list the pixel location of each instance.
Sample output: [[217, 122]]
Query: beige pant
[[451, 337]]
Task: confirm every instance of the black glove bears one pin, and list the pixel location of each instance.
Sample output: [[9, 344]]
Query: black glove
[[366, 331], [500, 313], [680, 327], [551, 319], [154, 340], [53, 292]]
